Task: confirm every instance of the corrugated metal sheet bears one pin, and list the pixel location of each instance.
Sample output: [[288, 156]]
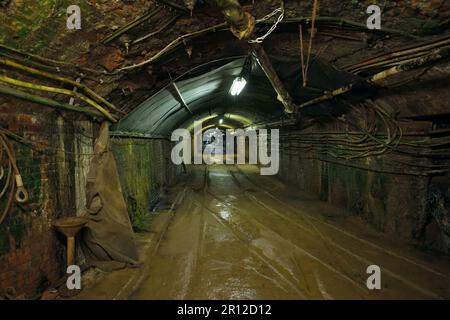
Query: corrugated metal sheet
[[164, 112], [209, 93]]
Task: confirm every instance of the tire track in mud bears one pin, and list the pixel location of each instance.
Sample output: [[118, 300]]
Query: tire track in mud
[[194, 265], [313, 231], [241, 237], [289, 244], [294, 247], [355, 256], [394, 254], [246, 239], [190, 263]]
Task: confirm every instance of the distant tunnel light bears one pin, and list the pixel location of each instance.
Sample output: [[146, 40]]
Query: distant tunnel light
[[237, 86], [220, 121]]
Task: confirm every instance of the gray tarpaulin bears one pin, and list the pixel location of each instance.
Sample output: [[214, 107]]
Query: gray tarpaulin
[[108, 239]]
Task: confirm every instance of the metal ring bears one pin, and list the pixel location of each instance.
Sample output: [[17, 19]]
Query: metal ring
[[21, 195]]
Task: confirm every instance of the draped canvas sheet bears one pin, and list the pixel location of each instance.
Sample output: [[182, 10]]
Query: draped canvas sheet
[[108, 240]]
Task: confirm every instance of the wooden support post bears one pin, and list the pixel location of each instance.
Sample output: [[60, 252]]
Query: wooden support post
[[70, 251], [266, 65]]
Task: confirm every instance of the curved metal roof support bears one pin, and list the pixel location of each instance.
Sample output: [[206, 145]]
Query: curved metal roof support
[[225, 121], [219, 126], [222, 126], [228, 117], [180, 96], [207, 96]]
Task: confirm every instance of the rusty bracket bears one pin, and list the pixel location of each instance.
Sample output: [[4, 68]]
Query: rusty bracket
[[242, 24], [180, 96]]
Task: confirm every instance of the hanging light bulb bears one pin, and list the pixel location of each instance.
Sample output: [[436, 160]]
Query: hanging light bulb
[[238, 85], [240, 82]]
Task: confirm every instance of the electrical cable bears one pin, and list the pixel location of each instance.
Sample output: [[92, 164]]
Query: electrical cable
[[14, 184]]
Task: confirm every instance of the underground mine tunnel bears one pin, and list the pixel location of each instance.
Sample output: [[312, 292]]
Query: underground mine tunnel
[[224, 149]]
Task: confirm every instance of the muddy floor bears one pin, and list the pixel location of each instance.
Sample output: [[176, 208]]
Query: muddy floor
[[239, 235]]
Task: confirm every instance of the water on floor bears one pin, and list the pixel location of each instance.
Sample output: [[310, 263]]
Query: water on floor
[[239, 235]]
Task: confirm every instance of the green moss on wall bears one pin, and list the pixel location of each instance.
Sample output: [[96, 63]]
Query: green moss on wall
[[33, 25], [29, 164], [324, 181], [17, 228], [4, 242], [356, 190], [362, 192], [15, 224], [138, 163]]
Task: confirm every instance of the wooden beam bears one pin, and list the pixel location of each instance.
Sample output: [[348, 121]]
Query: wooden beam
[[434, 56], [267, 67]]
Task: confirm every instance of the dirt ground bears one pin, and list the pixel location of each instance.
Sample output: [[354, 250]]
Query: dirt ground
[[226, 232], [239, 235]]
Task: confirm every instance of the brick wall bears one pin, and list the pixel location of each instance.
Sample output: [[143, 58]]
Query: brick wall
[[391, 203], [382, 189], [31, 252], [54, 165]]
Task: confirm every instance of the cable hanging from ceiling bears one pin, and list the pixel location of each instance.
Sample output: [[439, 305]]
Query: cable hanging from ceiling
[[431, 153], [11, 183], [305, 65]]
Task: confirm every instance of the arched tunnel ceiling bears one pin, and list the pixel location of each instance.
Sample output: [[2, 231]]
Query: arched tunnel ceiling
[[199, 42], [229, 119], [44, 33], [207, 97]]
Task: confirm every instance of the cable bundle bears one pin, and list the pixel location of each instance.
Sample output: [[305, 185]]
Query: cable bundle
[[11, 184]]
